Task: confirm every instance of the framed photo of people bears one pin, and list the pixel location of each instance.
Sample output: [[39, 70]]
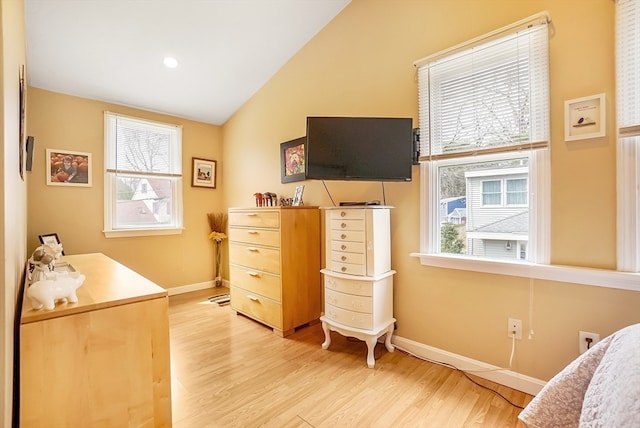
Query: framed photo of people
[[68, 168]]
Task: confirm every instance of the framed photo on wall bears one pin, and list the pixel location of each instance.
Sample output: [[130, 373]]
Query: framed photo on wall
[[68, 168], [203, 173], [292, 160], [585, 118]]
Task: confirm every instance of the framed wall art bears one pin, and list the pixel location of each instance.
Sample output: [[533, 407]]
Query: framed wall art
[[203, 173], [68, 168], [585, 118], [292, 160]]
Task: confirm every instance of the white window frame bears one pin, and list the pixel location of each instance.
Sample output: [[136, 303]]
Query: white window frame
[[628, 135], [110, 178], [538, 155]]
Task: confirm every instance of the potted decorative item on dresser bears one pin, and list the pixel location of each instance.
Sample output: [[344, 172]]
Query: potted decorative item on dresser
[[218, 225]]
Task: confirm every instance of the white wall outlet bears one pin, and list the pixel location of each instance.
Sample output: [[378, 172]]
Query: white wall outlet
[[514, 325], [583, 340]]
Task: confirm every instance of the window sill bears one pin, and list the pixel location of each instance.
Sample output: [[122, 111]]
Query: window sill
[[570, 274], [130, 233]]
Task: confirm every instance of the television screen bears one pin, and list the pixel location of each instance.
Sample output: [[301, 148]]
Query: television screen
[[359, 148]]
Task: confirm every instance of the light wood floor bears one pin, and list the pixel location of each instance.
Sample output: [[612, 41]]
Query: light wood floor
[[230, 371]]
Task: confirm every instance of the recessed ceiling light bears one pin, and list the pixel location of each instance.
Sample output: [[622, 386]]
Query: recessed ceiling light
[[170, 62]]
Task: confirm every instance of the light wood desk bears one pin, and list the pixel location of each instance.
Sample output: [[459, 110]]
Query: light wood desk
[[103, 361]]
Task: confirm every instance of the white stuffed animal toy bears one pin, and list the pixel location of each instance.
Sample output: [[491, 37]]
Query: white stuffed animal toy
[[63, 286]]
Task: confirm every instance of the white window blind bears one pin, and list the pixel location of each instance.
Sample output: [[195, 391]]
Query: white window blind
[[628, 67], [628, 124], [488, 97]]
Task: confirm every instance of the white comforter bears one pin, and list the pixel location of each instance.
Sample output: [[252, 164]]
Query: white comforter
[[601, 388]]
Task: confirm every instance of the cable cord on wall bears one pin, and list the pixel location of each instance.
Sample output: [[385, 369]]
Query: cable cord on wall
[[328, 193], [465, 374]]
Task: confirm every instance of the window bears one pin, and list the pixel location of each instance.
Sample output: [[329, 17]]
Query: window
[[143, 177], [628, 122], [484, 118]]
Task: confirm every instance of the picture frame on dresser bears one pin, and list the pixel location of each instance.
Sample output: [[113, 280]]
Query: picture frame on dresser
[[292, 160], [297, 196]]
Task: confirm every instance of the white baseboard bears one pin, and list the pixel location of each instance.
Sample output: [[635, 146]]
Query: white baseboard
[[194, 287], [496, 374]]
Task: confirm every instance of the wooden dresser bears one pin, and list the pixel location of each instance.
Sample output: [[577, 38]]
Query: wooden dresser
[[358, 280], [103, 361], [274, 258]]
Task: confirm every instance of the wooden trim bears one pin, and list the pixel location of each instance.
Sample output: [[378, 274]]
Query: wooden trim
[[488, 151]]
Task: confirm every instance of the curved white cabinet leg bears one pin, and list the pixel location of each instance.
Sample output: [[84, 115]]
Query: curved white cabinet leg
[[387, 341], [327, 335], [371, 346]]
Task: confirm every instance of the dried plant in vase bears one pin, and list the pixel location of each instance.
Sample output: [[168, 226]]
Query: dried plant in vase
[[218, 226]]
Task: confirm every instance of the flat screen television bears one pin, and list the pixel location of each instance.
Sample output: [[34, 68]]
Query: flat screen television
[[359, 148]]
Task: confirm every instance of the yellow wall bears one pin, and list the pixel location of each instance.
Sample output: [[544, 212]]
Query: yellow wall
[[361, 64], [76, 213], [13, 191]]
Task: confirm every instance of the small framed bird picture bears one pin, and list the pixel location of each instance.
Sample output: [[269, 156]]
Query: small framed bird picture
[[585, 118]]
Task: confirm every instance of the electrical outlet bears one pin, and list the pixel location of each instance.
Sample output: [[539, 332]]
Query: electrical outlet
[[514, 325], [583, 343]]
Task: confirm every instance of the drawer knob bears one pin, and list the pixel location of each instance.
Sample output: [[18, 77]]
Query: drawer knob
[[253, 298], [251, 214], [343, 225], [343, 258], [343, 247], [343, 236], [252, 249], [343, 269], [253, 232], [342, 214], [254, 274]]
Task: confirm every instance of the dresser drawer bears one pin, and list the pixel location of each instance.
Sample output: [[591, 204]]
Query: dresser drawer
[[267, 237], [341, 224], [350, 302], [347, 214], [260, 258], [347, 235], [352, 258], [349, 318], [349, 269], [254, 218], [350, 286], [348, 246], [257, 307], [256, 281]]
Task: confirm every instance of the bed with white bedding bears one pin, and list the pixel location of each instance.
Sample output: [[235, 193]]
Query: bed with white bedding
[[601, 388]]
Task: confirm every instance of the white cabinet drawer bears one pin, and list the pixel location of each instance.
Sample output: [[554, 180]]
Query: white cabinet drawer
[[348, 246], [350, 286], [350, 302], [346, 213], [352, 258], [349, 318], [349, 269], [347, 235], [347, 224]]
